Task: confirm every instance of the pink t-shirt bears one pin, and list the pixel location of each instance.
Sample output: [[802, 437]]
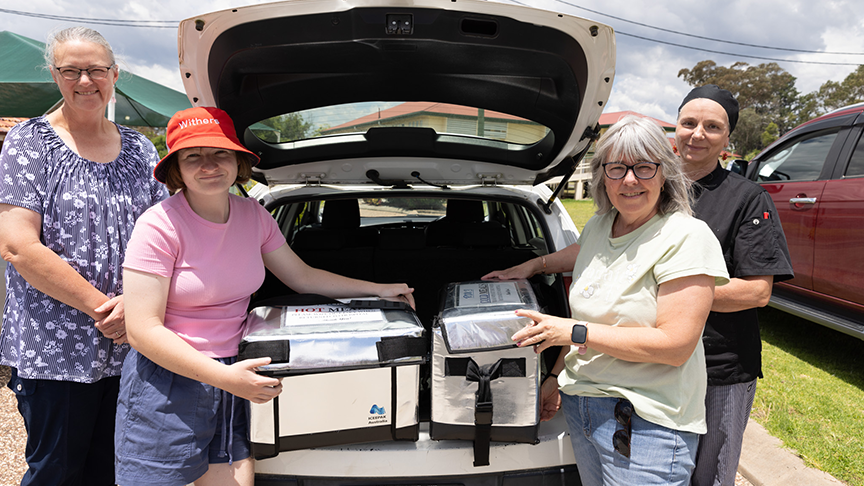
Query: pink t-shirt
[[214, 268]]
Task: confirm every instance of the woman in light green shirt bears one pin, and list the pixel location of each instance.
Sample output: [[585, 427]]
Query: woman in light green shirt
[[632, 371]]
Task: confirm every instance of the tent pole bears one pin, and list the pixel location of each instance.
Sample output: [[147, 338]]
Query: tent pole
[[111, 105]]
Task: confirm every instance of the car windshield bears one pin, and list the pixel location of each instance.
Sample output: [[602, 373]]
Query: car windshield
[[471, 124]]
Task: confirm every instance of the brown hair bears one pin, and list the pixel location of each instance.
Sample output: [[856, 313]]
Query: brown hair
[[174, 180]]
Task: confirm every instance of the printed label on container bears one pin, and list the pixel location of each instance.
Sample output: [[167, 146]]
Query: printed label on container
[[486, 293], [328, 314]]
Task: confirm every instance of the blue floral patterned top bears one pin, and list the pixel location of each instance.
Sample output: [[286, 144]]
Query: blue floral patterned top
[[88, 211]]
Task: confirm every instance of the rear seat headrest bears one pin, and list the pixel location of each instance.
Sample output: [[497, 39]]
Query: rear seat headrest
[[341, 214], [464, 211]]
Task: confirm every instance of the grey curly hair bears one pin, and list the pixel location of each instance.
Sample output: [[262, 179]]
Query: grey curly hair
[[82, 34], [634, 138]]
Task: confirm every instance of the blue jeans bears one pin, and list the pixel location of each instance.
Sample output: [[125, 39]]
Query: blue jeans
[[70, 430], [659, 455]]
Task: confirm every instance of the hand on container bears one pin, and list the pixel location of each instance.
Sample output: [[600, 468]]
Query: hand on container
[[545, 332], [523, 271], [399, 292], [244, 382]]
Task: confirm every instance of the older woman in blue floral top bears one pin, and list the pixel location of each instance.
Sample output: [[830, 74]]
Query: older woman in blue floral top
[[72, 185]]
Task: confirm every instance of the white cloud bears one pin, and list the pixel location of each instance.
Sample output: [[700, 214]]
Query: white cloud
[[157, 73], [646, 72]]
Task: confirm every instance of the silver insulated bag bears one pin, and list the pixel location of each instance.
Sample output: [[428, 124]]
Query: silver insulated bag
[[350, 372], [484, 388]]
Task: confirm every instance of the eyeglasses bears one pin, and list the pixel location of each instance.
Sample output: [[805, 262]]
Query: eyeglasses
[[621, 438], [642, 170], [72, 74]]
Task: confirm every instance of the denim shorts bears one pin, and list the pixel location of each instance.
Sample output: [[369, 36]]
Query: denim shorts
[[169, 428], [658, 455]]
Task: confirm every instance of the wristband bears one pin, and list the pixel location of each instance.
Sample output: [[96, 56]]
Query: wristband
[[543, 259], [553, 375]]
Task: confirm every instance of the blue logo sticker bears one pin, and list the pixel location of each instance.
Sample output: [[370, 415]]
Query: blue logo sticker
[[377, 410]]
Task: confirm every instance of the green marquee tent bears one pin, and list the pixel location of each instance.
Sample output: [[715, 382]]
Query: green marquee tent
[[27, 90]]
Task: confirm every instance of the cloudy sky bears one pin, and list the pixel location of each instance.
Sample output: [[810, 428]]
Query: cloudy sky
[[654, 39]]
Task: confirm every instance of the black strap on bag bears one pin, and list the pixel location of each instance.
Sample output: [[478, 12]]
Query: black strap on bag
[[483, 408], [294, 299], [317, 299]]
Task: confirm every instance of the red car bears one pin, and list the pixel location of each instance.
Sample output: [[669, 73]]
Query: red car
[[815, 175]]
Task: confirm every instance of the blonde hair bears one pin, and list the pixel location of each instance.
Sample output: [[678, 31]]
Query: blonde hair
[[635, 138]]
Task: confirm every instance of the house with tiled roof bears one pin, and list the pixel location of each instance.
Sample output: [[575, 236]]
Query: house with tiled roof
[[447, 118], [609, 119], [6, 124], [579, 182]]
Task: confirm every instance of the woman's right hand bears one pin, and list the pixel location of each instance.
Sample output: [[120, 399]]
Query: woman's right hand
[[244, 382], [522, 271]]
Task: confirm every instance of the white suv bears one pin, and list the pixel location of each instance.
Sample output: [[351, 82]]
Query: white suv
[[407, 141]]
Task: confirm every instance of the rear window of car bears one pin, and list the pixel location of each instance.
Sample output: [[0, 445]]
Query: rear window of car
[[455, 120], [856, 163]]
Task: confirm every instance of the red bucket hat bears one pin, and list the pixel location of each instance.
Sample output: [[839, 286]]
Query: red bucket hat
[[199, 127]]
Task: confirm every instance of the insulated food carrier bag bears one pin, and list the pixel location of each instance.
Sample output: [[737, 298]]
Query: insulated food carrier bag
[[350, 373], [484, 388]]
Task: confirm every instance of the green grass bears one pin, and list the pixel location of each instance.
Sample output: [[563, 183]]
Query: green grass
[[580, 210], [812, 396]]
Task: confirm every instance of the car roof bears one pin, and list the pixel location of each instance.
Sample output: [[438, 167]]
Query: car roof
[[513, 66]]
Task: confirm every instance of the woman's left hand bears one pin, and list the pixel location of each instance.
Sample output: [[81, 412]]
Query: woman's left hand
[[400, 292], [113, 325], [550, 399], [545, 332]]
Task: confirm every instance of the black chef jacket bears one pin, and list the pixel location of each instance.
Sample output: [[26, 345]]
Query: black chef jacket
[[743, 217]]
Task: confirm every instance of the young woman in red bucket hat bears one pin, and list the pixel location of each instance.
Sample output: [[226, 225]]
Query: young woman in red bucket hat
[[192, 264]]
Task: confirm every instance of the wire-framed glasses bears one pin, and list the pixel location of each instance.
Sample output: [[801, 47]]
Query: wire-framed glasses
[[642, 170], [621, 438], [72, 74]]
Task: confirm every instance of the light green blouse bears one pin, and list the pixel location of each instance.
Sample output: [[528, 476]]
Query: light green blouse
[[615, 282]]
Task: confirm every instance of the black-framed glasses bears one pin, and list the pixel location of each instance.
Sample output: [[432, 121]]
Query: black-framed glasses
[[72, 74], [642, 170], [621, 438]]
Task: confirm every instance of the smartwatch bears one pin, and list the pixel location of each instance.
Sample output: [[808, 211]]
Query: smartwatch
[[580, 332]]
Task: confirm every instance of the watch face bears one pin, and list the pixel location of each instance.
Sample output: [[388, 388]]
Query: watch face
[[580, 333]]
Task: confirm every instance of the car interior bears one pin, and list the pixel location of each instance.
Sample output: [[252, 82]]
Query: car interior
[[426, 242]]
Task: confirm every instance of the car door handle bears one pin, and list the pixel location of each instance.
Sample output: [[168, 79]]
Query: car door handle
[[802, 200]]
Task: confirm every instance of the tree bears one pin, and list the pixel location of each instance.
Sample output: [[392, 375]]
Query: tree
[[770, 134], [747, 137], [808, 108], [833, 95], [766, 94], [157, 137], [286, 128]]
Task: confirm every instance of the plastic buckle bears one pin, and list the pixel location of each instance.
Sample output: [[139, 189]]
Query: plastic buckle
[[483, 413]]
